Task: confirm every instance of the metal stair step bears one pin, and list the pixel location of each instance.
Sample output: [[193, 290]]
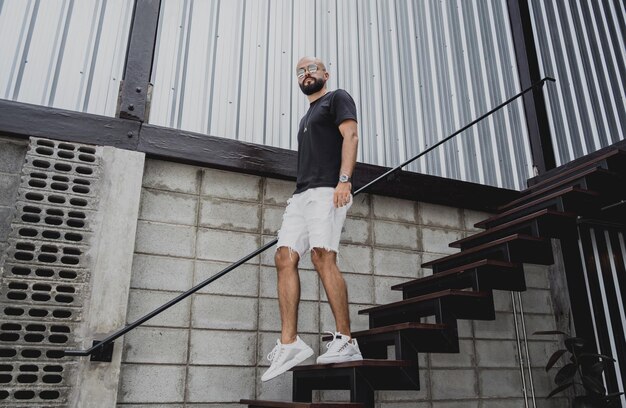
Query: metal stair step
[[516, 248], [568, 199], [366, 363], [362, 378], [484, 274], [408, 339], [594, 178], [290, 404], [446, 306], [546, 223], [611, 159]]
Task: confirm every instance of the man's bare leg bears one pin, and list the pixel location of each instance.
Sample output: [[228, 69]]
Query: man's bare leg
[[325, 263], [290, 350], [288, 292]]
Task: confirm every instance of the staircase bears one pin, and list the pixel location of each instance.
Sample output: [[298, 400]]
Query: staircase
[[462, 284]]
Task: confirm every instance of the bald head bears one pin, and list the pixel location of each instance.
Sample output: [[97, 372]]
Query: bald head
[[304, 61]]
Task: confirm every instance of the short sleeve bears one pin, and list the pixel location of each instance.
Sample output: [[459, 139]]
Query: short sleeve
[[342, 106]]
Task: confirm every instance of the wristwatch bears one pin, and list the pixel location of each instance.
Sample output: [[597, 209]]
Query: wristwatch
[[344, 178]]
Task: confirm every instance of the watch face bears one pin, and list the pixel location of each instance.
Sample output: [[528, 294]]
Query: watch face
[[343, 178]]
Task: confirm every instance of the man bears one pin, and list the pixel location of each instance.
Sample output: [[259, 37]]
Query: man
[[314, 217]]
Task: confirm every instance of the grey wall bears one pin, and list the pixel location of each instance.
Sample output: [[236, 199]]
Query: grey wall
[[210, 350], [581, 44], [67, 54], [417, 70]]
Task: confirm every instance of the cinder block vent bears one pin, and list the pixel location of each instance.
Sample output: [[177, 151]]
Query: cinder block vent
[[46, 272]]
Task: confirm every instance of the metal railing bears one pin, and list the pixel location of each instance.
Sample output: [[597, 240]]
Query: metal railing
[[102, 349]]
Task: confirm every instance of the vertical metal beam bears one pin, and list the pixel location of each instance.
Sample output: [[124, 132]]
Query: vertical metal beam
[[139, 58], [360, 390], [573, 263], [301, 390], [529, 72], [519, 352]]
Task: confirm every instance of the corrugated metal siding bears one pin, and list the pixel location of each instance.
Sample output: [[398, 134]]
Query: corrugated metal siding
[[418, 70], [64, 53], [581, 44]]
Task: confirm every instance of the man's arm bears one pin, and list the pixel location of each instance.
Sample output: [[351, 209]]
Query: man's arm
[[349, 132]]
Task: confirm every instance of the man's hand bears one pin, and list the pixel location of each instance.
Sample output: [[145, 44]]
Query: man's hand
[[342, 194]]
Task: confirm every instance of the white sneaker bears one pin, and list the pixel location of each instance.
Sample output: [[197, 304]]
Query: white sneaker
[[286, 356], [340, 349]]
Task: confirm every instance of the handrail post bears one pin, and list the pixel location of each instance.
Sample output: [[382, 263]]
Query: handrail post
[[129, 327]]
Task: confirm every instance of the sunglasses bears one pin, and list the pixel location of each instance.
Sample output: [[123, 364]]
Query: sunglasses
[[311, 69]]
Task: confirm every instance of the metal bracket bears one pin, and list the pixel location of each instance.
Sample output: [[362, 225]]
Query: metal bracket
[[103, 353]]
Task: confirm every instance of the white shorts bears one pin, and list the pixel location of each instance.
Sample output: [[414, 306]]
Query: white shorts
[[312, 221]]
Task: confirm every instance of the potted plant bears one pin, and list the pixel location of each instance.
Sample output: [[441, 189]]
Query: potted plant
[[583, 373]]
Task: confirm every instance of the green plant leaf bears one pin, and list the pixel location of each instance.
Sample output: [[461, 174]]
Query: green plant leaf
[[597, 368], [559, 389], [554, 358], [613, 399], [593, 355], [551, 332], [565, 374], [593, 385], [575, 343]]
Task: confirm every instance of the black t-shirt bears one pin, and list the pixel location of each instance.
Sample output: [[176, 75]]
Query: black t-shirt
[[320, 142]]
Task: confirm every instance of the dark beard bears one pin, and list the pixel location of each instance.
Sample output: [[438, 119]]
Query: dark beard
[[314, 87]]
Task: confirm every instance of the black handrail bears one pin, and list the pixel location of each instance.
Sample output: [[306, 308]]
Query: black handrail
[[98, 346]]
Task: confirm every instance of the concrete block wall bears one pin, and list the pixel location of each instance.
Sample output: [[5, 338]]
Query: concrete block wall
[[211, 349], [63, 266], [12, 154]]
